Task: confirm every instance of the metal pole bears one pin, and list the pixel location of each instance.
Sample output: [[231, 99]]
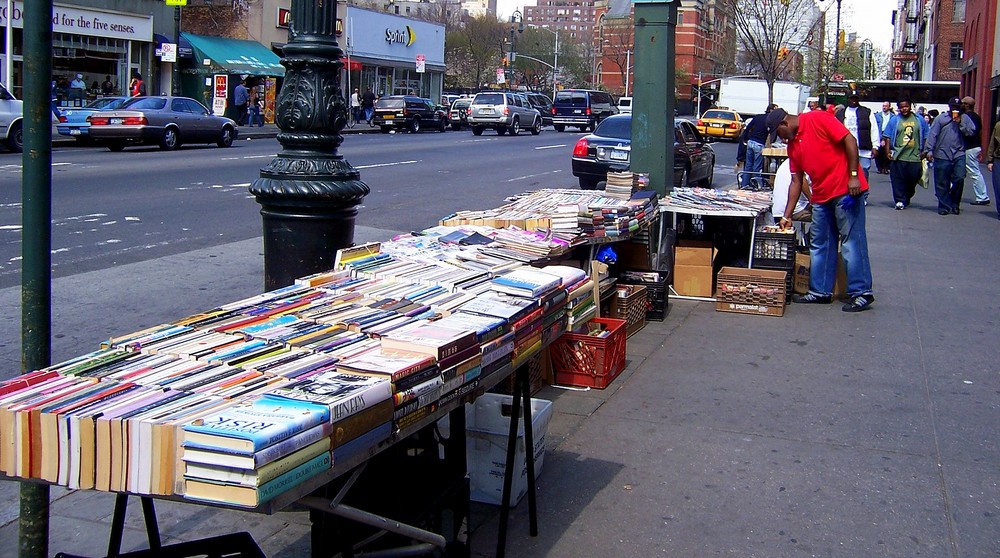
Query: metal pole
[[309, 194], [653, 109], [697, 111], [628, 64], [836, 45], [36, 243], [555, 68], [175, 72], [8, 71]]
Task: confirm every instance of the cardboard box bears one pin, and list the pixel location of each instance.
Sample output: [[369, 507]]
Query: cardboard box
[[693, 280], [694, 252], [801, 282]]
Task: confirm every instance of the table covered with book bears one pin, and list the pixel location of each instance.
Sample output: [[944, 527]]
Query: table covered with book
[[258, 402]]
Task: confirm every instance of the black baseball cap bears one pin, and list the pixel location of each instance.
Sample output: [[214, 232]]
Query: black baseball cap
[[774, 118], [954, 102]]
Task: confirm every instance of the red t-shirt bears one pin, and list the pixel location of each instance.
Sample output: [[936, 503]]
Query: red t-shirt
[[818, 150]]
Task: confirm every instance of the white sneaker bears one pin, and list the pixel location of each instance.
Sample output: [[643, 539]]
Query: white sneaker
[[899, 206]]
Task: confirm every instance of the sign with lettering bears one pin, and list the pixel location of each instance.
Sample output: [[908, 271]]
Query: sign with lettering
[[168, 52], [79, 21], [421, 63], [219, 93], [284, 18]]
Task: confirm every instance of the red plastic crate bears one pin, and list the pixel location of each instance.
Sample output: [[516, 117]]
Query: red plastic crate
[[589, 361]]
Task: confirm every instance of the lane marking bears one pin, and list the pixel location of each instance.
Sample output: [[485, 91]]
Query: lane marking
[[551, 147], [386, 164], [526, 177]]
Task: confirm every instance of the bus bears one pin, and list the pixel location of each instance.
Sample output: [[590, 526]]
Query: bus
[[927, 94]]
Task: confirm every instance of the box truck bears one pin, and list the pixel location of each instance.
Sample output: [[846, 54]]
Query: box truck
[[748, 96]]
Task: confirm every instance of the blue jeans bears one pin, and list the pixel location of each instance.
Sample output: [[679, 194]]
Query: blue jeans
[[754, 162], [996, 184], [866, 165], [949, 181], [833, 223]]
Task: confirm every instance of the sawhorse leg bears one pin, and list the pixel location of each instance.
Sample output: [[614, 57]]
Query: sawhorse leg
[[522, 398], [118, 524]]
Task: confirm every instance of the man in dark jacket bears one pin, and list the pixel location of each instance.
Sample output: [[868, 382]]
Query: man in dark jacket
[[946, 149], [864, 127], [756, 137]]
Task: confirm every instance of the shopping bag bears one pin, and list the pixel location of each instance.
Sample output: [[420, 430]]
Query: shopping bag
[[925, 176]]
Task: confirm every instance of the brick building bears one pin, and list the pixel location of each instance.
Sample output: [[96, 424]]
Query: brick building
[[980, 66]]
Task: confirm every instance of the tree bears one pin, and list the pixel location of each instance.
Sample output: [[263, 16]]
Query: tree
[[619, 34], [764, 27], [473, 50]]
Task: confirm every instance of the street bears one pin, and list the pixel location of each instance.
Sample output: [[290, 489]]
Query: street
[[110, 209]]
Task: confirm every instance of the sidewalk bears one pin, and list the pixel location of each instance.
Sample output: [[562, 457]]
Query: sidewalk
[[820, 433]]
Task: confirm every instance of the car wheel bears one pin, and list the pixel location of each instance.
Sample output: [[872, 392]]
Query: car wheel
[[15, 140], [385, 129], [456, 127], [226, 140], [170, 139], [707, 181], [477, 131], [536, 128], [587, 183], [501, 131], [559, 127], [415, 126], [684, 179], [116, 146], [514, 128]]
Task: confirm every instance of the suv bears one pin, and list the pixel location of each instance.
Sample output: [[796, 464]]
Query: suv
[[409, 113], [459, 115], [582, 108], [504, 112], [543, 104]]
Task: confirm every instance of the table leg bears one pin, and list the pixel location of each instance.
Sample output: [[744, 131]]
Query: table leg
[[117, 525], [508, 477], [529, 452], [152, 528]]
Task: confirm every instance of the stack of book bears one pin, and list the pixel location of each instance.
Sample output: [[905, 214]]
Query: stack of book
[[619, 185], [708, 200]]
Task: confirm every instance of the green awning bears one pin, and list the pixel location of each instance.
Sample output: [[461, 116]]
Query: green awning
[[233, 56]]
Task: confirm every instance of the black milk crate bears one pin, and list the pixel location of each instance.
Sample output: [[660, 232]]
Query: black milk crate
[[774, 250], [657, 294]]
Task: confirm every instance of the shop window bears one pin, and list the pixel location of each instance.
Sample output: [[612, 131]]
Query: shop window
[[955, 56]]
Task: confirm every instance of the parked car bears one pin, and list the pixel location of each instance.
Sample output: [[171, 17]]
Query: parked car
[[407, 112], [609, 148], [543, 104], [582, 108], [625, 105], [505, 112], [458, 116], [163, 120], [12, 120], [75, 122], [720, 123]]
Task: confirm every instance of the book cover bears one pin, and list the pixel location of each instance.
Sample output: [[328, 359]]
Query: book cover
[[254, 496], [256, 424], [429, 338], [195, 453], [510, 308], [342, 393], [256, 477], [526, 281], [395, 364]]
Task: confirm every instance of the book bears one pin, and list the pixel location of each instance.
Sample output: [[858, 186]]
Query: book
[[430, 339], [357, 424], [193, 453], [394, 364], [343, 394], [526, 281], [256, 424], [256, 477], [510, 308], [252, 496]]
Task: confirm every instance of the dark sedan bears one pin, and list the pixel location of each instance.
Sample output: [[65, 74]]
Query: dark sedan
[[165, 121], [609, 148]]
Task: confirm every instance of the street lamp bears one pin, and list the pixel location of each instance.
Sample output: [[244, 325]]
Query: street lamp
[[555, 61], [866, 58], [514, 18], [836, 48]]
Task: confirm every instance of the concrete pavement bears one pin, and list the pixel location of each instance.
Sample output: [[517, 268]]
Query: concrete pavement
[[820, 433]]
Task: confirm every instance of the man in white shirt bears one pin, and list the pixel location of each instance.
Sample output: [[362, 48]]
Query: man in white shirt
[[864, 127], [882, 154]]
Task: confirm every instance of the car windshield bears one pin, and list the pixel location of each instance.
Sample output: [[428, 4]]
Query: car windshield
[[397, 102], [141, 103], [719, 114], [571, 98], [106, 103], [489, 99], [618, 128]]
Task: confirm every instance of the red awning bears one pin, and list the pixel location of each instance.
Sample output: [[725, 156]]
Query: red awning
[[352, 65]]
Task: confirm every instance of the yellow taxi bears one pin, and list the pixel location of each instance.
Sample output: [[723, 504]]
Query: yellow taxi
[[720, 123]]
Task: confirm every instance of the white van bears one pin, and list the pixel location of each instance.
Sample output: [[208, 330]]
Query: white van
[[625, 105], [11, 125]]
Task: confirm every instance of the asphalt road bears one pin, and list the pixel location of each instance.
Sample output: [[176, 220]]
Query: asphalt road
[[115, 208]]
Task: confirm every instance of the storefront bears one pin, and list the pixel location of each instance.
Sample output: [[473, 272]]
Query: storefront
[[93, 43], [393, 55]]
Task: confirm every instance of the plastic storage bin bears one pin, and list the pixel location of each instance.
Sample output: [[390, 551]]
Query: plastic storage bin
[[487, 424]]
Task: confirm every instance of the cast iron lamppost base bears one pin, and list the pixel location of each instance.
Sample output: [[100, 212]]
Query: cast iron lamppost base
[[309, 195]]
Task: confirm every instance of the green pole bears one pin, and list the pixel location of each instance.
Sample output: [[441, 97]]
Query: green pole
[[36, 237], [653, 104]]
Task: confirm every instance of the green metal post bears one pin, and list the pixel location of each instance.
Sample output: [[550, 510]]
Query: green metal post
[[36, 242], [653, 104]]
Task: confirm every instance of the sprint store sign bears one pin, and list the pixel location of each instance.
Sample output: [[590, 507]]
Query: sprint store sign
[[402, 37]]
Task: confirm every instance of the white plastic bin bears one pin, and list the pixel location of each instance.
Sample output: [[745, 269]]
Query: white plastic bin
[[487, 425]]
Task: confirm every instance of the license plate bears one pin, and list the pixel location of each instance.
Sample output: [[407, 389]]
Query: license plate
[[486, 111], [114, 121], [715, 124], [577, 111], [387, 118], [74, 132], [618, 155]]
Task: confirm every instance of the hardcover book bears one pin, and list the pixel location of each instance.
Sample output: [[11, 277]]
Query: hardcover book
[[250, 496], [256, 424], [430, 339], [526, 281], [344, 394]]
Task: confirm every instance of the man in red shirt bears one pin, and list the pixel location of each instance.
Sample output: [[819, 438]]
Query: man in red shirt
[[822, 147]]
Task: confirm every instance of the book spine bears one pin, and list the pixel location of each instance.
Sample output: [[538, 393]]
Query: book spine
[[295, 477]]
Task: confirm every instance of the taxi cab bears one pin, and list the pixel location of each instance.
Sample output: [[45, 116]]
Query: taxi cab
[[720, 123]]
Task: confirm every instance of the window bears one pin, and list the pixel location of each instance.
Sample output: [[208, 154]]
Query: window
[[958, 11], [955, 56]]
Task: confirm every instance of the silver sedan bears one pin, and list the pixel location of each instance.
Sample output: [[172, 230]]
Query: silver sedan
[[163, 120]]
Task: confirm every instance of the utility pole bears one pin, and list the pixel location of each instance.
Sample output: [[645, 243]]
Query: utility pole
[[836, 48], [175, 73], [697, 111], [653, 109]]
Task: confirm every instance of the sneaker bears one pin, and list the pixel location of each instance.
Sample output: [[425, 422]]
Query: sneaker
[[810, 298], [899, 206], [956, 211], [859, 303], [984, 202], [944, 212]]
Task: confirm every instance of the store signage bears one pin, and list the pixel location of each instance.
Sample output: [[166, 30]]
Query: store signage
[[905, 56], [219, 93], [501, 77], [177, 2], [284, 18], [76, 21], [421, 63], [400, 36], [168, 52]]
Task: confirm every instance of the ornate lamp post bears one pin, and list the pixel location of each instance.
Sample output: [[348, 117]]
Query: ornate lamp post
[[515, 18], [309, 194]]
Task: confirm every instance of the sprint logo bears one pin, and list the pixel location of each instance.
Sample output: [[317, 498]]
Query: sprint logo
[[396, 36]]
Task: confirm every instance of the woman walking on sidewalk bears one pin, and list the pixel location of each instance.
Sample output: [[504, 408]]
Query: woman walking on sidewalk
[[992, 154]]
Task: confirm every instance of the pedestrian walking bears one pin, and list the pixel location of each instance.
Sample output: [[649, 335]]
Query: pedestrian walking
[[992, 154], [368, 104], [355, 106], [820, 146], [946, 149], [253, 108], [974, 154], [241, 98], [882, 156], [905, 137], [137, 87], [861, 122]]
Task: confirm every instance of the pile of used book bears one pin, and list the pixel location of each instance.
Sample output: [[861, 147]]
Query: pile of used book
[[244, 402]]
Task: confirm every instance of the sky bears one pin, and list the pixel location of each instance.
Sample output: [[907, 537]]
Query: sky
[[871, 19]]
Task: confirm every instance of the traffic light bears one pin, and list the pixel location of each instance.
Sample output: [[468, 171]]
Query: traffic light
[[782, 53], [504, 62], [842, 39]]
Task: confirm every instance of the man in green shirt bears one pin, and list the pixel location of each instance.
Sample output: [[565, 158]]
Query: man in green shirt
[[906, 134]]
